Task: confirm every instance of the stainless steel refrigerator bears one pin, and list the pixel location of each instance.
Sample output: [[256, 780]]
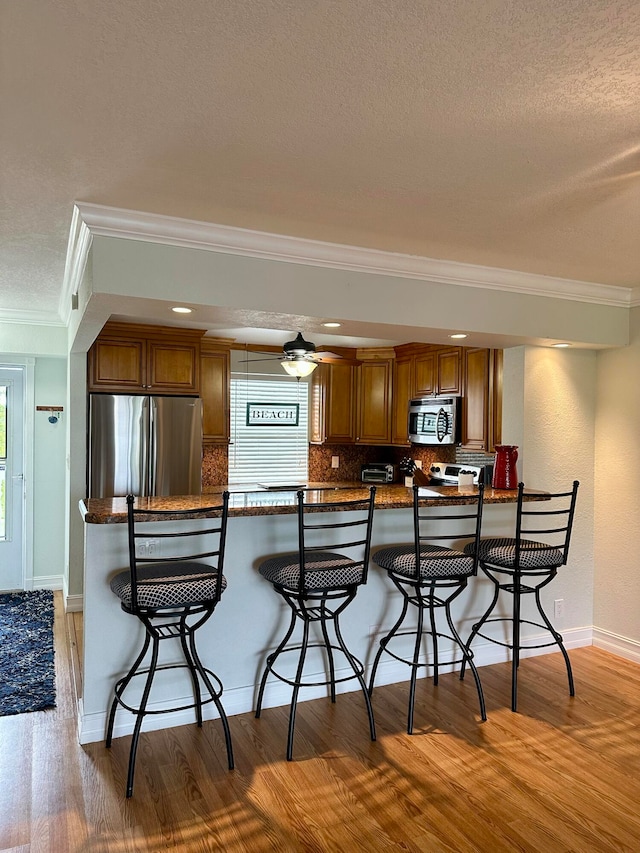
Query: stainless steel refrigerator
[[144, 445]]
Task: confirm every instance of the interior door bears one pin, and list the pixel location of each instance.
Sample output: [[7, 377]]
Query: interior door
[[12, 485]]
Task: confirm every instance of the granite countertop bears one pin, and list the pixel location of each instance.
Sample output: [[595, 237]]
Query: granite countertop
[[260, 501]]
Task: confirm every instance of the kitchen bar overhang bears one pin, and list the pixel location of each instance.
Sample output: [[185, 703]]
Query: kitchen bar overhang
[[261, 523]]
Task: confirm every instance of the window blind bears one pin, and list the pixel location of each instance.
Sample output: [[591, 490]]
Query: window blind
[[274, 452]]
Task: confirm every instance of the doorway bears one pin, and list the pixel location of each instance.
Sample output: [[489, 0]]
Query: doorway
[[12, 479]]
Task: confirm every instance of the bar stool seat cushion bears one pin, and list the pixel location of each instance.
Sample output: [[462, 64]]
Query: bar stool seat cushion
[[436, 561], [533, 555], [175, 584], [323, 570]]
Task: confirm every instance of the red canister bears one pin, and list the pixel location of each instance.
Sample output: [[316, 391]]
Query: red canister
[[505, 474]]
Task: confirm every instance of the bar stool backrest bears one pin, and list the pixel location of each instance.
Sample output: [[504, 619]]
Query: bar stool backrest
[[551, 517], [201, 539], [445, 526], [349, 531]]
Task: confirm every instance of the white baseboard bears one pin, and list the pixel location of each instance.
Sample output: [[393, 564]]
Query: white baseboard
[[616, 645], [73, 603], [241, 700], [47, 582]]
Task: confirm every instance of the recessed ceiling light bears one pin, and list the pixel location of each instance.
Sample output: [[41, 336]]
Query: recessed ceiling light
[[180, 309], [460, 335], [560, 346], [332, 325]]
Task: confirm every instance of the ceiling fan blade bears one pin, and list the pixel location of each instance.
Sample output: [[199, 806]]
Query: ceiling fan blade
[[334, 358], [254, 360]]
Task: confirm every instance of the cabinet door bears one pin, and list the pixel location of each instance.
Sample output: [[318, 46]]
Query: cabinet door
[[475, 402], [403, 383], [173, 367], [340, 404], [374, 402], [495, 398], [214, 391], [449, 366], [117, 365], [425, 374]]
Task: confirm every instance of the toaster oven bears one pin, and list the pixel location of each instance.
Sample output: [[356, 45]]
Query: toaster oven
[[377, 472]]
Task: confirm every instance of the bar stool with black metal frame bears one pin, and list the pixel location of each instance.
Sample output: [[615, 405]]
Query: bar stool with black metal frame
[[318, 582], [522, 566], [173, 595], [430, 576]]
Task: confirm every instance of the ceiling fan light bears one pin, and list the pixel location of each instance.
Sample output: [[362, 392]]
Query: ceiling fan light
[[299, 368]]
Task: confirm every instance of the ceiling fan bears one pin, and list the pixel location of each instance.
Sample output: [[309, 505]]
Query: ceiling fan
[[300, 357]]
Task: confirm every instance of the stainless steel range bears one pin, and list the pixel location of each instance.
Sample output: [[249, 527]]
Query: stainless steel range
[[448, 474]]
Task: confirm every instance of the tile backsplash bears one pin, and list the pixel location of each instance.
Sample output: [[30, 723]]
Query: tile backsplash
[[215, 464], [352, 457]]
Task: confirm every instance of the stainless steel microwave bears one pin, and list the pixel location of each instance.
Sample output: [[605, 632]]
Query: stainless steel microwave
[[433, 420]]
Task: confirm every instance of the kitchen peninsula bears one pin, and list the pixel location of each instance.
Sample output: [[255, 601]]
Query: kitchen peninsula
[[249, 617]]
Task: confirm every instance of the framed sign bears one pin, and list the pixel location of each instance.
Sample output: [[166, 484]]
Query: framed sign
[[273, 414]]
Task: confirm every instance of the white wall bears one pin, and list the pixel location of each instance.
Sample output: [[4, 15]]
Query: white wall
[[617, 507], [550, 412], [49, 474]]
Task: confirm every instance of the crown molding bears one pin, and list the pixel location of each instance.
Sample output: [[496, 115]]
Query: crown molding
[[29, 317], [78, 246], [91, 220], [634, 298]]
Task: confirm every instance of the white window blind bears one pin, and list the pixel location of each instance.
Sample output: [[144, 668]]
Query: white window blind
[[271, 451]]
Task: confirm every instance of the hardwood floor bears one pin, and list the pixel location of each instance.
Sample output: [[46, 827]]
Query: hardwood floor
[[560, 775]]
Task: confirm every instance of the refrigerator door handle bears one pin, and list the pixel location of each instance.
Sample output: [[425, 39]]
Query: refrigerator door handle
[[151, 447]]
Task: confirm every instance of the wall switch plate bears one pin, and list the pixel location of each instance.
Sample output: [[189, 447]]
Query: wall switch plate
[[335, 461]]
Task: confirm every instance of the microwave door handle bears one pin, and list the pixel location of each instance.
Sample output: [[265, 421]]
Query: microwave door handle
[[442, 425]]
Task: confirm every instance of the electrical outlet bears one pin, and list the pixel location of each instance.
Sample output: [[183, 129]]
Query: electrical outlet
[[335, 461], [558, 608], [148, 548], [417, 463]]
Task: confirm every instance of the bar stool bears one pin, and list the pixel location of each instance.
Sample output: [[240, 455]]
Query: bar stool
[[508, 562], [173, 597], [430, 577], [318, 582]]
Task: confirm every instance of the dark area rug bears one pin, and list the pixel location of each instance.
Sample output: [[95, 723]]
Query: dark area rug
[[27, 675]]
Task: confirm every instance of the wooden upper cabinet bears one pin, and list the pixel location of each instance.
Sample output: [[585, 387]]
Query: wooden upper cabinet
[[438, 370], [333, 404], [425, 376], [117, 364], [152, 359], [215, 367], [475, 400], [351, 404], [449, 371], [340, 403], [374, 402], [403, 384], [482, 399]]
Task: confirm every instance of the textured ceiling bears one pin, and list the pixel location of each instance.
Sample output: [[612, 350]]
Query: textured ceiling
[[500, 133]]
